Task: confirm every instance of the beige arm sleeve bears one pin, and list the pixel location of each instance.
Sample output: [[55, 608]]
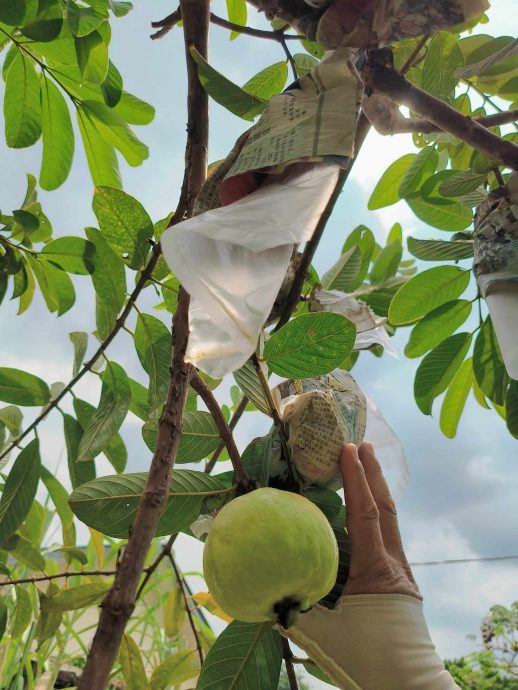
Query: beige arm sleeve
[[372, 642]]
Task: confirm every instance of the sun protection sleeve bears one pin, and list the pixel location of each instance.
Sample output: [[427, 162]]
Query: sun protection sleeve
[[372, 642]]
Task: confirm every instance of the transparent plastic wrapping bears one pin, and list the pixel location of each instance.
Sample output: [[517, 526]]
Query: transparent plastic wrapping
[[232, 261], [323, 413]]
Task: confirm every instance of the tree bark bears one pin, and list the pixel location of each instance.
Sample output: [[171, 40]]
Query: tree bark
[[118, 605]]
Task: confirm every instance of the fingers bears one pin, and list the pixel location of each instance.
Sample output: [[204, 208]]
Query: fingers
[[362, 513], [384, 501]]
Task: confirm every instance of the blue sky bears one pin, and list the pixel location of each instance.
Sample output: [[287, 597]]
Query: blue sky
[[461, 497]]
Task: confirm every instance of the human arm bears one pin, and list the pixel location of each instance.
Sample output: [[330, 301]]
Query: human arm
[[376, 636]]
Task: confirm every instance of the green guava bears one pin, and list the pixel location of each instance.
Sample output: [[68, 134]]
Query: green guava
[[269, 555]]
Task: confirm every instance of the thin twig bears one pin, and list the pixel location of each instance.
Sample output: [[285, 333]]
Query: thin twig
[[181, 584], [289, 56], [405, 125], [57, 576], [208, 398], [278, 35], [119, 603], [414, 55], [288, 660], [238, 412], [381, 78], [144, 277], [165, 25], [164, 552], [293, 296]]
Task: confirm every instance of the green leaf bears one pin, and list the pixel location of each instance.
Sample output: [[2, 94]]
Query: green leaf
[[438, 368], [422, 166], [3, 618], [134, 110], [101, 156], [22, 613], [15, 12], [83, 20], [115, 450], [304, 63], [109, 279], [125, 225], [200, 436], [109, 504], [20, 489], [153, 344], [443, 57], [73, 254], [78, 597], [245, 655], [345, 274], [112, 86], [426, 291], [92, 57], [386, 263], [139, 403], [328, 501], [11, 417], [310, 345], [58, 137], [461, 183], [175, 612], [47, 24], [436, 326], [237, 14], [225, 92], [488, 365], [511, 408], [59, 496], [362, 238], [386, 190], [55, 285], [111, 412], [440, 250], [22, 106], [248, 380], [21, 549], [120, 8], [175, 669], [455, 398], [80, 342], [116, 132], [80, 472], [441, 214], [21, 388], [317, 672], [132, 665], [268, 81]]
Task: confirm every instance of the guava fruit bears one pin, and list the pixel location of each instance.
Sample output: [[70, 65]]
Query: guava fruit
[[269, 555]]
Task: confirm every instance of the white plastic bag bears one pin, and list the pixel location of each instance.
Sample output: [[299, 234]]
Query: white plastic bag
[[232, 261]]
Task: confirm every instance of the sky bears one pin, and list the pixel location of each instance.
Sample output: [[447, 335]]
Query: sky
[[460, 501]]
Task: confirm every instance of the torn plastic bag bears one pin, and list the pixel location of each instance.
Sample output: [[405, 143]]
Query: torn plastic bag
[[370, 329], [323, 413], [232, 261], [496, 268]]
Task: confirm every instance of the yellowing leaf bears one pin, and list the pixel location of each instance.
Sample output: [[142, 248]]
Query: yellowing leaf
[[206, 600], [174, 611]]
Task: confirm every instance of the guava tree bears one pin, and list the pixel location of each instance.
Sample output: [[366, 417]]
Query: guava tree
[[61, 88]]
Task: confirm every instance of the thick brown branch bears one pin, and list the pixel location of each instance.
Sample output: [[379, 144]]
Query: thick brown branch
[[234, 420], [387, 81], [118, 605], [183, 589], [208, 398], [119, 324]]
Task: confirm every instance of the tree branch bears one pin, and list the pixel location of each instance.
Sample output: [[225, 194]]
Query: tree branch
[[57, 576], [164, 552], [379, 77], [288, 660], [119, 324], [118, 605], [208, 398], [181, 584], [165, 25], [289, 56], [232, 424]]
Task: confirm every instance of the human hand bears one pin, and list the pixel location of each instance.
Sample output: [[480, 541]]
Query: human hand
[[378, 561]]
